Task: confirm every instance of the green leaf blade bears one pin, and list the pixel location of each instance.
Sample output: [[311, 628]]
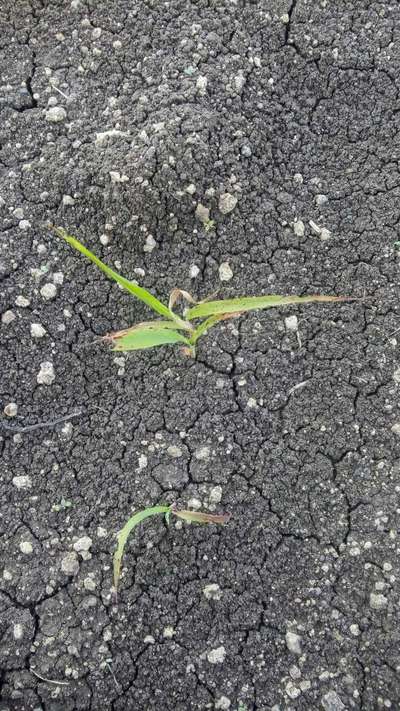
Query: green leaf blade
[[130, 286], [250, 303], [124, 535], [145, 336]]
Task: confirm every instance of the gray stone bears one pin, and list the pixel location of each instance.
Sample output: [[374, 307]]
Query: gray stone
[[170, 476], [70, 564]]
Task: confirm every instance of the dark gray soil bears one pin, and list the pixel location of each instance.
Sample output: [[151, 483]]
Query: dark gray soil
[[294, 428]]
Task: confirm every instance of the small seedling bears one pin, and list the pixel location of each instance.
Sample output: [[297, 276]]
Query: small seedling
[[192, 516], [173, 328]]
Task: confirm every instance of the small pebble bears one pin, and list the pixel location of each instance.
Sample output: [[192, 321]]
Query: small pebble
[[293, 642], [150, 244], [202, 213], [194, 271], [225, 272], [174, 451], [285, 18], [191, 189], [48, 291], [299, 228], [223, 703], [24, 224], [215, 495], [22, 482], [212, 591], [46, 375], [377, 601], [201, 85], [396, 374], [202, 453], [68, 200], [8, 317], [291, 323], [321, 199], [246, 151], [325, 234], [56, 114], [227, 203], [18, 631], [83, 544], [70, 564], [37, 330], [104, 239], [11, 409], [22, 301], [216, 656], [168, 632], [58, 278], [332, 702], [149, 639], [26, 547]]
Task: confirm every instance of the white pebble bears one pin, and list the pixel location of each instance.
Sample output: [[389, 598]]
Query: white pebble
[[11, 409], [291, 323], [58, 278], [149, 639], [227, 203], [299, 228], [26, 547], [377, 601], [314, 227], [216, 656], [325, 234], [202, 213], [201, 85], [37, 330], [191, 189], [104, 239], [293, 642], [285, 18], [194, 271], [150, 244], [22, 301], [174, 451], [48, 291], [24, 224], [321, 199], [22, 482], [68, 200], [225, 272], [202, 453], [18, 631], [46, 375], [8, 317], [354, 630], [396, 374], [56, 114], [215, 495], [168, 632], [83, 544], [212, 591], [223, 703]]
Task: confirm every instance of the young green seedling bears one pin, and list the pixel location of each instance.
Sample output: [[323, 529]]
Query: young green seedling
[[192, 516], [172, 328]]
